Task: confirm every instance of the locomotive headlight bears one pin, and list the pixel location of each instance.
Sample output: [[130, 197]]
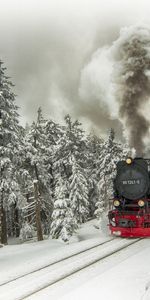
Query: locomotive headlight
[[129, 161], [116, 203], [141, 203]]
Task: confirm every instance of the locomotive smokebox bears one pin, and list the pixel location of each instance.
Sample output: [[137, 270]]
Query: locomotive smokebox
[[132, 180]]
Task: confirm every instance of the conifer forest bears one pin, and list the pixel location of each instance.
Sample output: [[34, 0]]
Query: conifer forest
[[52, 177]]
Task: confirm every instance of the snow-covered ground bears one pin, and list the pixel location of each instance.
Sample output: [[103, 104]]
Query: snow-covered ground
[[121, 281], [19, 259], [124, 275]]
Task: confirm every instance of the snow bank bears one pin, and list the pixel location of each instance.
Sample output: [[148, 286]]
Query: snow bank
[[16, 260]]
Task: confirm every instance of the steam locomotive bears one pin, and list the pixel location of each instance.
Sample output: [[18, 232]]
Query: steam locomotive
[[130, 214]]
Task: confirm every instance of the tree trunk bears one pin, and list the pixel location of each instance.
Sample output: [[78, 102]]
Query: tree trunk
[[38, 214], [16, 217], [106, 195], [4, 227], [3, 222]]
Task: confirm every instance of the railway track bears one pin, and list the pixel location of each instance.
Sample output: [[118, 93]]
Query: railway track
[[59, 257], [27, 285]]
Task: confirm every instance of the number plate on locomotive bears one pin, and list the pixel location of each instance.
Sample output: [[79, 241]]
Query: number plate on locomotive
[[131, 182]]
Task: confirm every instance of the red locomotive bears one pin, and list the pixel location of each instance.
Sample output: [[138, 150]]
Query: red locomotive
[[130, 216]]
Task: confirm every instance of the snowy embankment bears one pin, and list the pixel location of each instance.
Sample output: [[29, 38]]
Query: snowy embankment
[[17, 260], [43, 278], [126, 280], [123, 275]]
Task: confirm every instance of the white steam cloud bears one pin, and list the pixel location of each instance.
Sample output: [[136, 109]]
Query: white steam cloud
[[118, 78], [59, 56], [96, 81]]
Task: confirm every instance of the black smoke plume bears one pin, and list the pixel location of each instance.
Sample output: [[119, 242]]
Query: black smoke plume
[[133, 83]]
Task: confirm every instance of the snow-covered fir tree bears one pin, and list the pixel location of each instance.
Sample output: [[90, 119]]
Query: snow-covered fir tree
[[53, 132], [64, 223], [94, 146], [71, 148], [38, 164], [71, 143], [79, 193], [111, 153], [10, 147]]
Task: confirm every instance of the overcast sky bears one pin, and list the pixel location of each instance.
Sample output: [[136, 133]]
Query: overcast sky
[[47, 44]]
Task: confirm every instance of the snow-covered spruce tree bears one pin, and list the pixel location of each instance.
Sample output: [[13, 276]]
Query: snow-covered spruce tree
[[53, 133], [10, 147], [111, 153], [79, 193], [38, 164], [94, 146], [71, 146], [71, 143], [64, 223], [25, 183]]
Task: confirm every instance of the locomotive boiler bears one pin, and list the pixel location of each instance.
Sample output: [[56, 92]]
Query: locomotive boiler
[[130, 215]]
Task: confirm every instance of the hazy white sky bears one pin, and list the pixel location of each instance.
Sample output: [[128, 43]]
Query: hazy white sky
[[46, 44]]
